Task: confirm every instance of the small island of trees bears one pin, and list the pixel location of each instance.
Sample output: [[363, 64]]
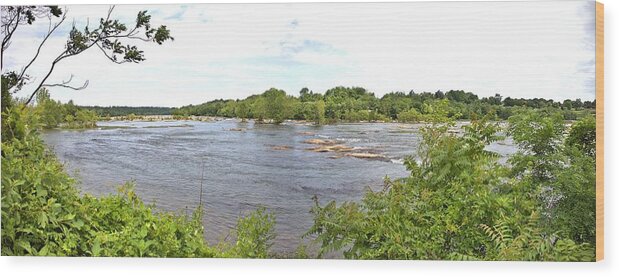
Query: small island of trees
[[356, 104]]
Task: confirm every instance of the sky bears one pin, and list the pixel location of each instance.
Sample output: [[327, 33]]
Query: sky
[[230, 51]]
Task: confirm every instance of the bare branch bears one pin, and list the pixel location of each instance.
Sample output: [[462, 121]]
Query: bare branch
[[109, 13], [41, 83], [126, 36], [21, 75], [8, 34], [64, 85]]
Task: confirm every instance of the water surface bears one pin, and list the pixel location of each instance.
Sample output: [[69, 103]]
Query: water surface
[[241, 170]]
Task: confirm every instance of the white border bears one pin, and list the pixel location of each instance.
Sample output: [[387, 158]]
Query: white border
[[33, 266]]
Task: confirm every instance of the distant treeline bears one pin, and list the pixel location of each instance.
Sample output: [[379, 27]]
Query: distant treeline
[[125, 110], [357, 104]]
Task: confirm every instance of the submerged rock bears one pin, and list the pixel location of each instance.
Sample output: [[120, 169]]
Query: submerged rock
[[321, 141], [281, 147], [331, 148], [168, 126], [369, 156], [237, 129], [306, 133]]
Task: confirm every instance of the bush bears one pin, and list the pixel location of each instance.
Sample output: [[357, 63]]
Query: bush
[[457, 190], [43, 213]]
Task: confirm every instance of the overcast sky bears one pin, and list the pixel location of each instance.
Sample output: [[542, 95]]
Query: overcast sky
[[517, 49]]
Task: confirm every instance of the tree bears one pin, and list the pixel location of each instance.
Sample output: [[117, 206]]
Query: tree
[[577, 104], [411, 115], [15, 16], [561, 169], [277, 105], [567, 104], [357, 104], [259, 110], [315, 111], [303, 94], [582, 136], [242, 110], [51, 113], [228, 109], [539, 135], [108, 37]]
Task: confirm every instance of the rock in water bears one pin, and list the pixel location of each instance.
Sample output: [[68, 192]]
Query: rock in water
[[281, 147], [321, 141], [369, 156]]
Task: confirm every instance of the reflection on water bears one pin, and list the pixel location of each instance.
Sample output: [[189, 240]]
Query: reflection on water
[[243, 168]]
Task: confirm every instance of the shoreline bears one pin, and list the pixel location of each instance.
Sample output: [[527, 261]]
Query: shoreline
[[207, 118]]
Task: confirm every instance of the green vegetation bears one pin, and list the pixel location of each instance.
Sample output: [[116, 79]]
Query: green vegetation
[[44, 214], [53, 114], [42, 211], [124, 110], [459, 202], [110, 36], [356, 104]]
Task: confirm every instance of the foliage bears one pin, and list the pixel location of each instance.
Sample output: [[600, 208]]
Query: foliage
[[242, 110], [538, 134], [528, 243], [582, 136], [430, 214], [44, 214], [124, 110], [109, 36], [411, 115], [254, 235], [82, 119], [52, 114], [457, 189], [277, 105], [355, 104], [561, 167]]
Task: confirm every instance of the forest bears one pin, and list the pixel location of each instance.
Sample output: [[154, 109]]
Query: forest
[[356, 104], [111, 111]]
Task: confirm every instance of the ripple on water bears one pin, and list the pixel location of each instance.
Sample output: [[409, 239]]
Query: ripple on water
[[241, 171]]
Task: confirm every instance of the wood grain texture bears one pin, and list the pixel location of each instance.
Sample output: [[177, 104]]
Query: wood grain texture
[[599, 130]]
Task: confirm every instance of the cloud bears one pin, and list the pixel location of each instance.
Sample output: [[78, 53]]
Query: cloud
[[294, 23], [291, 47], [519, 49], [179, 14]]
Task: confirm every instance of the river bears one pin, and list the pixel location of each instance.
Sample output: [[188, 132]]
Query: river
[[244, 166]]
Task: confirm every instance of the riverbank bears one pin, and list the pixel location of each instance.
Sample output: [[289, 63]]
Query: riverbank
[[204, 118]]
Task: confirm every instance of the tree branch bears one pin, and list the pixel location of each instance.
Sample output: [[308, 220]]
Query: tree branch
[[65, 84], [49, 33], [8, 35], [106, 38], [111, 58]]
